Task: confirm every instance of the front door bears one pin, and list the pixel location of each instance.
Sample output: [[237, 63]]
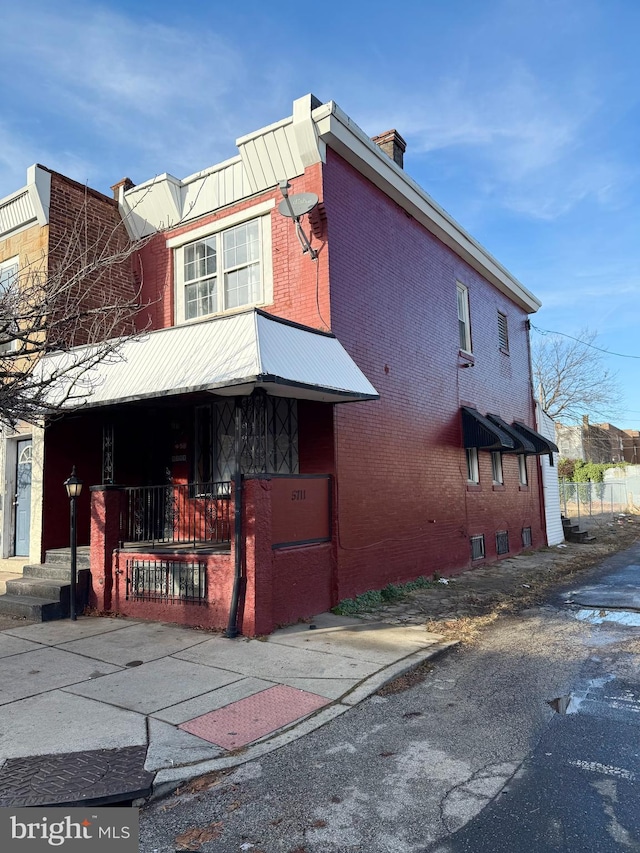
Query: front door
[[23, 498]]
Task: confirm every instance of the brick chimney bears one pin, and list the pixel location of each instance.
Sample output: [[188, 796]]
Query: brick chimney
[[392, 144], [125, 183]]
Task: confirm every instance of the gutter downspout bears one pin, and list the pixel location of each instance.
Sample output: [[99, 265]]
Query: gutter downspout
[[232, 625]]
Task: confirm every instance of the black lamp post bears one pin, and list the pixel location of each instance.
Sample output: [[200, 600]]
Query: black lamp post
[[73, 486]]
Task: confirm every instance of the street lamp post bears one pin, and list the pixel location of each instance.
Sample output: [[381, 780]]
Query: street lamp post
[[73, 486]]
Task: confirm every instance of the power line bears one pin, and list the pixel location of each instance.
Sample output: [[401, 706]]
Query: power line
[[584, 343]]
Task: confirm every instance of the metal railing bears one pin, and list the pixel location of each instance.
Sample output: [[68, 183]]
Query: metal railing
[[168, 581], [582, 500], [192, 513]]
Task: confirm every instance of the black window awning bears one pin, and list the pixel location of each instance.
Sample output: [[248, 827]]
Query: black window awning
[[521, 443], [542, 445], [481, 433]]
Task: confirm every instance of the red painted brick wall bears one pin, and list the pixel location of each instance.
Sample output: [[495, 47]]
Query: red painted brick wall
[[402, 499]]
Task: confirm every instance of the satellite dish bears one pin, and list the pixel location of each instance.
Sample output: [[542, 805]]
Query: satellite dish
[[297, 205]]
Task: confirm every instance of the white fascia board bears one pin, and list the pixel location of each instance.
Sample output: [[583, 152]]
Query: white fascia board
[[39, 183], [347, 139]]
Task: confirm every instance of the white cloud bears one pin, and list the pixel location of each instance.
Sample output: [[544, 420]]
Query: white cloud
[[168, 96], [522, 141]]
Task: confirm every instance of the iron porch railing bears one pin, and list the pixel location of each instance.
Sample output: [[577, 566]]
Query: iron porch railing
[[191, 513]]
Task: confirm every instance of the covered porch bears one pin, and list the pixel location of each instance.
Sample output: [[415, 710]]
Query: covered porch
[[210, 499]]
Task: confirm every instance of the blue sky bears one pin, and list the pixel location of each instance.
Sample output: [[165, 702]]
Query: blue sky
[[521, 117]]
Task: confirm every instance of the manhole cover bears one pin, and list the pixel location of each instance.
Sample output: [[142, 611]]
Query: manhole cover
[[75, 778]]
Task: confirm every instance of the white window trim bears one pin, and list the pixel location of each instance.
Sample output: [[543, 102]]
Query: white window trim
[[464, 290], [496, 468], [260, 212], [222, 224], [473, 468]]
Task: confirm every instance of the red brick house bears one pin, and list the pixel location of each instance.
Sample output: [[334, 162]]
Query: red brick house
[[321, 408]]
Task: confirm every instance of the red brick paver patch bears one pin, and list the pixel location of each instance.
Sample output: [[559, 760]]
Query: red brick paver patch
[[248, 719]]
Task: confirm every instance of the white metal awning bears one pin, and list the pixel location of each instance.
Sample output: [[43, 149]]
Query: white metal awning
[[229, 355]]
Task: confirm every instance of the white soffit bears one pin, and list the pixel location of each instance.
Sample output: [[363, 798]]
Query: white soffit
[[229, 355]]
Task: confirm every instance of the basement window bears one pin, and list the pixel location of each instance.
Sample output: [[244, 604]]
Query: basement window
[[502, 542], [477, 547], [526, 537]]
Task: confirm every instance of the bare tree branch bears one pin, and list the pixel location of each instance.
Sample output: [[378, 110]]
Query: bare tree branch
[[85, 290], [571, 380]]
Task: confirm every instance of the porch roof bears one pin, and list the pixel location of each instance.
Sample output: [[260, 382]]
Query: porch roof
[[229, 355]]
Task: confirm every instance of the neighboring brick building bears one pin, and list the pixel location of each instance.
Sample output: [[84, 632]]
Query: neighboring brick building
[[377, 301], [48, 229], [598, 443]]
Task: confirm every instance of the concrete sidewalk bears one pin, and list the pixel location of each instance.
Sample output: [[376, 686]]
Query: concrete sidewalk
[[110, 709]]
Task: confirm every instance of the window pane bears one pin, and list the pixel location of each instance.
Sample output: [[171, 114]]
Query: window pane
[[472, 465], [201, 298], [462, 328], [242, 245], [522, 467], [242, 287], [463, 318], [7, 274], [496, 465], [200, 259]]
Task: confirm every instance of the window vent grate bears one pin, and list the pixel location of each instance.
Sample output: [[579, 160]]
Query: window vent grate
[[503, 332], [502, 542], [477, 547], [526, 537]]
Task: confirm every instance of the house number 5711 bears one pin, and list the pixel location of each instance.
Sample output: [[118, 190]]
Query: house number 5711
[[299, 495]]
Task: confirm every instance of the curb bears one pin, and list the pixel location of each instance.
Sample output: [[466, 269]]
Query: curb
[[167, 779]]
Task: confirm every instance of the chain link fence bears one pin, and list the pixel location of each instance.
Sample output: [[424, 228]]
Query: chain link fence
[[593, 500]]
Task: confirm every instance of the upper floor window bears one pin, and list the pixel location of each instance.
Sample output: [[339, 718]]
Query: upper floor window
[[522, 469], [8, 279], [225, 269], [473, 470], [464, 325], [503, 332], [496, 468]]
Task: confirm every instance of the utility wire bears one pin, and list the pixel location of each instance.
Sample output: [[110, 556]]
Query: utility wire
[[584, 343]]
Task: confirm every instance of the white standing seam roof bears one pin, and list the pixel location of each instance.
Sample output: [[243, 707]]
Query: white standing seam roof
[[229, 355]]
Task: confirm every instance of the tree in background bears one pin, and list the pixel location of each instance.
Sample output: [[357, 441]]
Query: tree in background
[[571, 379], [80, 298]]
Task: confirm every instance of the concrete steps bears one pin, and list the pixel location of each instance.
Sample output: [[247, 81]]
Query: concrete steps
[[573, 533], [42, 594]]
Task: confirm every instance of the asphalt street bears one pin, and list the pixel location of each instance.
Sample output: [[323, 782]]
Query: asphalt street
[[526, 741]]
